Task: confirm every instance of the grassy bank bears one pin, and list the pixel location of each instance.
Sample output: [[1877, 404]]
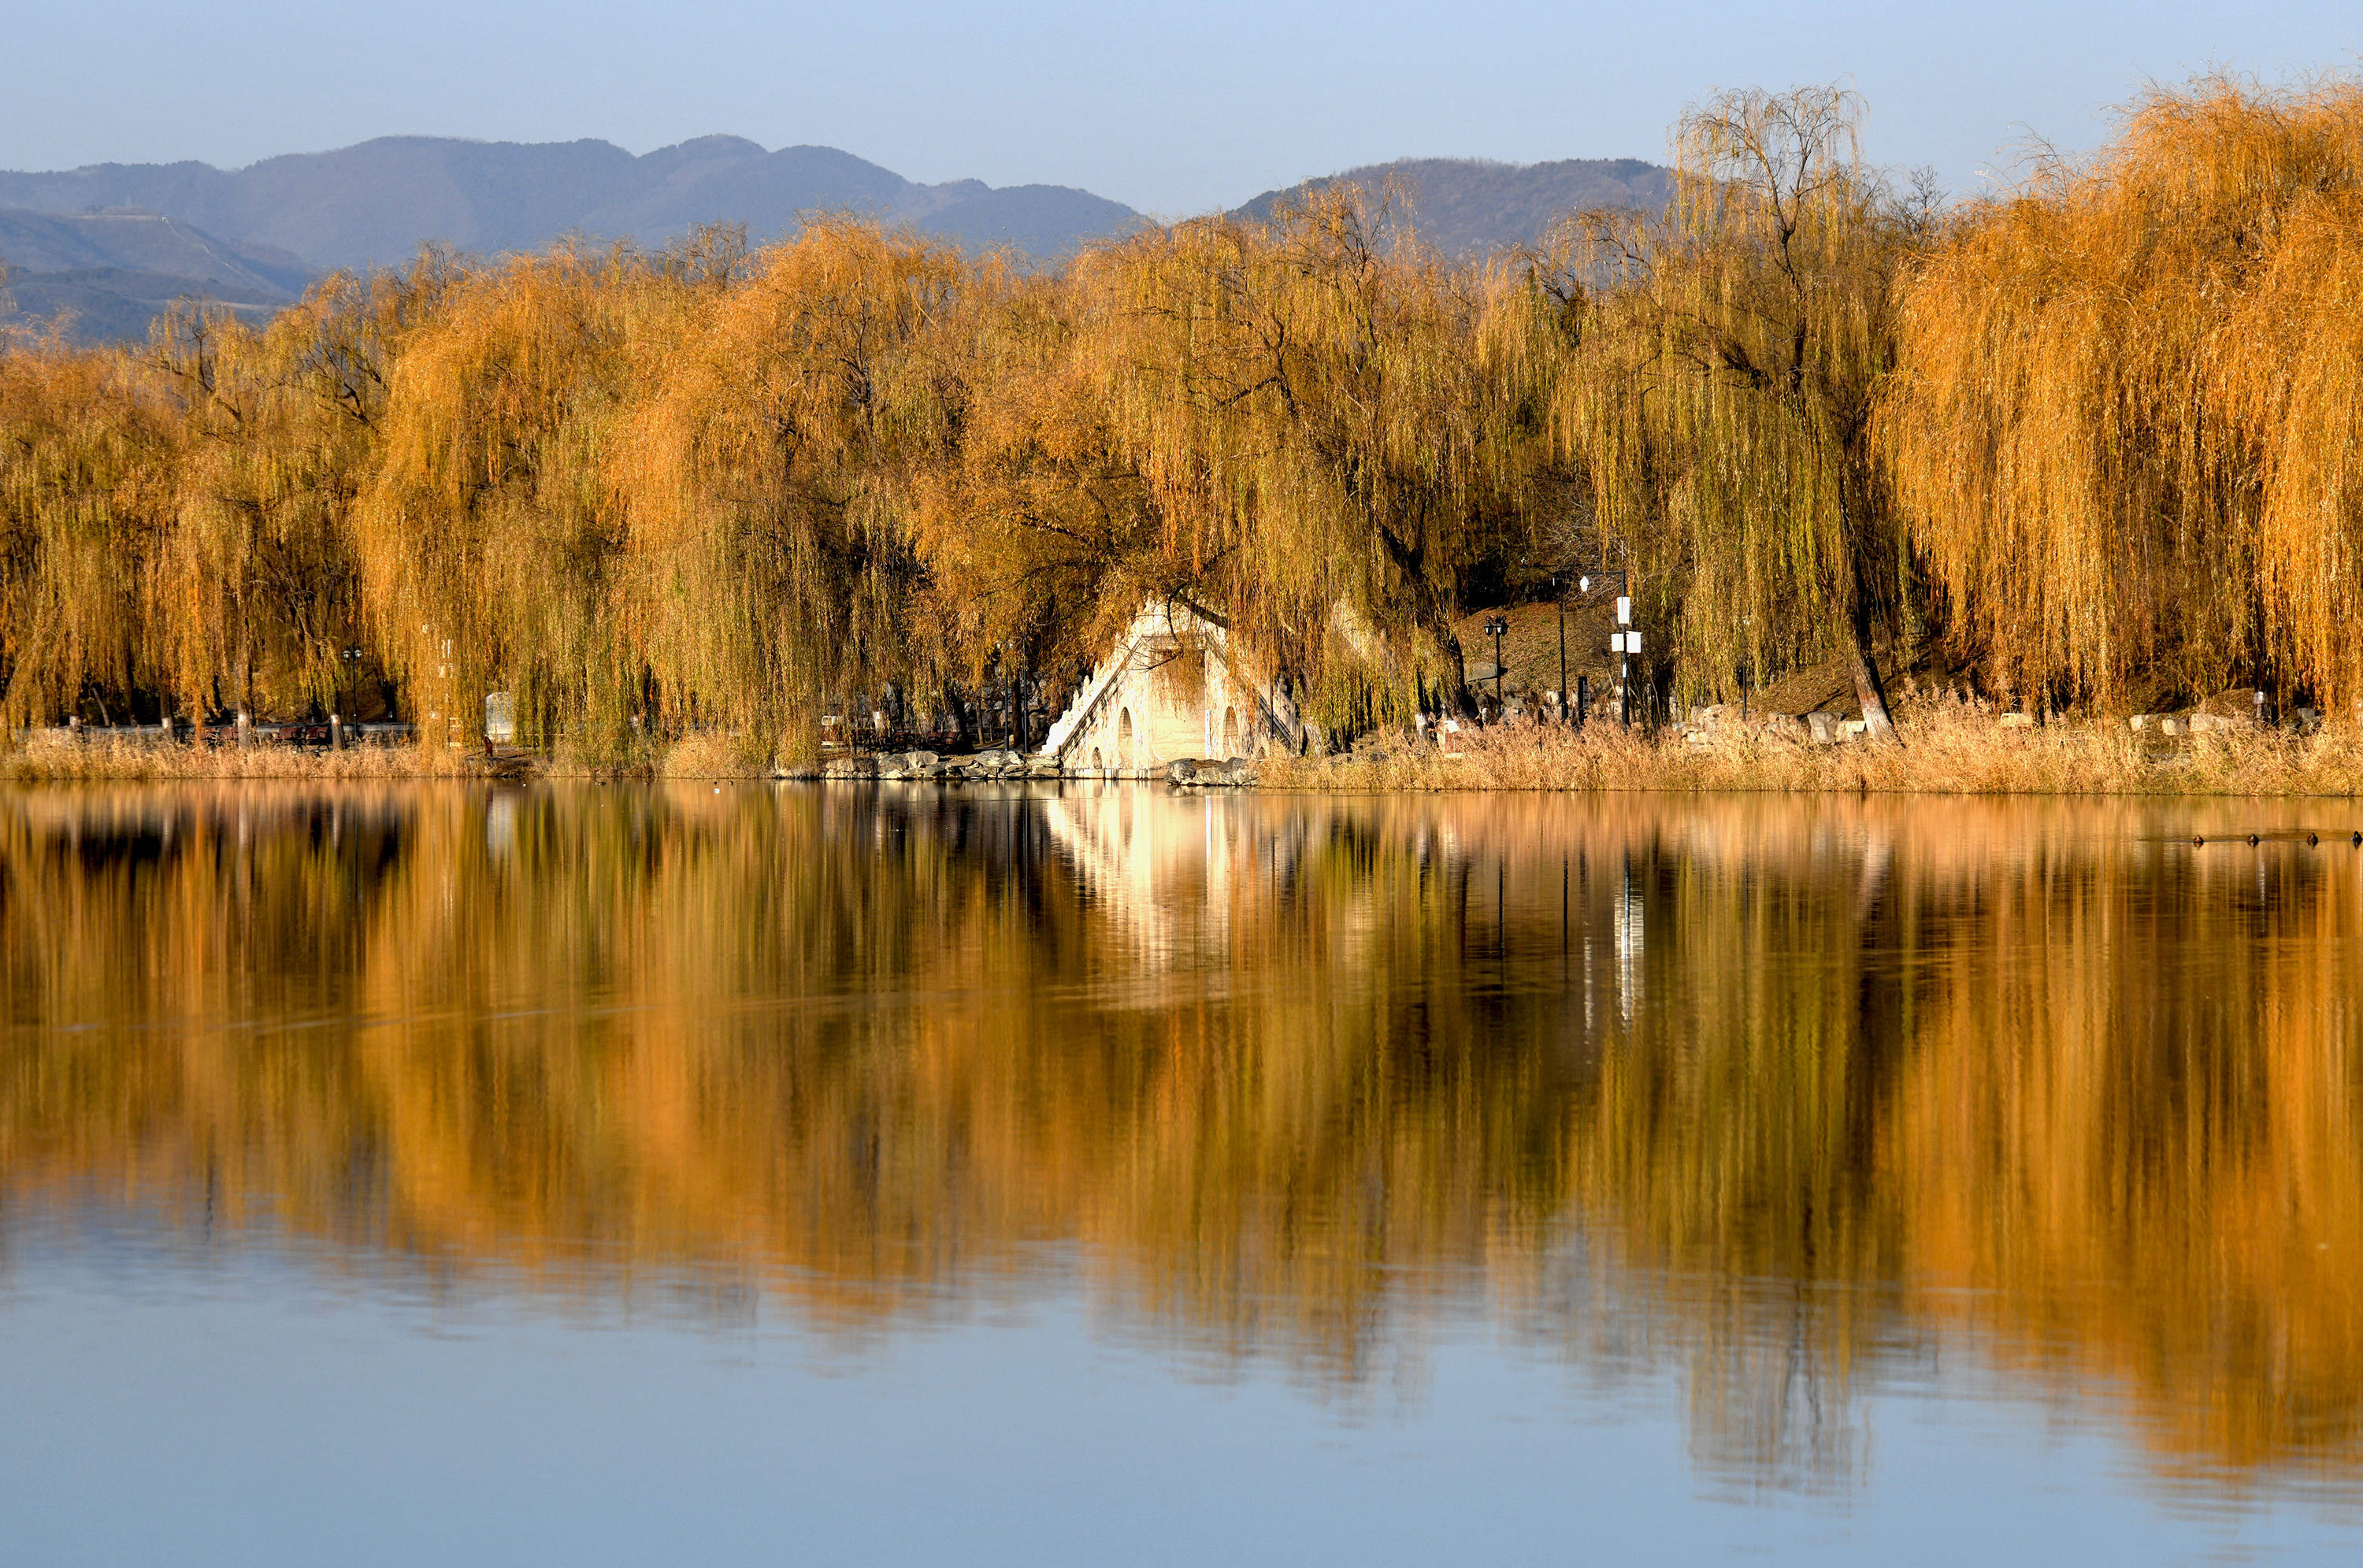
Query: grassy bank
[[100, 758], [1950, 747], [48, 757]]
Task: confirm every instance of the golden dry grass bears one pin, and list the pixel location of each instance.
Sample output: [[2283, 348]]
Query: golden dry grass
[[46, 761], [49, 759], [1951, 748], [714, 754]]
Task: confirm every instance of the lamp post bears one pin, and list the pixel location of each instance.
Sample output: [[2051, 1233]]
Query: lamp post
[[1621, 642], [1559, 583], [1562, 653], [1624, 643], [1495, 627]]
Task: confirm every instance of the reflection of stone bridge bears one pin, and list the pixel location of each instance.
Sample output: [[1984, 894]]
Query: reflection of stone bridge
[[1172, 688], [1170, 871]]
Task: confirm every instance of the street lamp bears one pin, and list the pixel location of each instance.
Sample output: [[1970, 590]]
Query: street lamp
[[1624, 643], [1494, 628], [1587, 579]]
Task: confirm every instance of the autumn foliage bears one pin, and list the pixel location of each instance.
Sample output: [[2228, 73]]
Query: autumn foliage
[[2091, 440]]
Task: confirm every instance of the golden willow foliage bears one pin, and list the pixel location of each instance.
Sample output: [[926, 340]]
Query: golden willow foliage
[[1722, 360], [768, 479], [487, 551], [2128, 423], [704, 488], [1040, 539], [644, 492], [83, 497], [176, 515], [666, 490], [255, 592], [1330, 437]]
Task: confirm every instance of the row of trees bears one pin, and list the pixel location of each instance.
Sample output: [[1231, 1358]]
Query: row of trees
[[2098, 432]]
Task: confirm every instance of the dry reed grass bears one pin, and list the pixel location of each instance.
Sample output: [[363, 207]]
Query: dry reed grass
[[714, 754], [50, 761], [1953, 748]]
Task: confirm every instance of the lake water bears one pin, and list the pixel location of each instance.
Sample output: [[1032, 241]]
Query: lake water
[[909, 1174]]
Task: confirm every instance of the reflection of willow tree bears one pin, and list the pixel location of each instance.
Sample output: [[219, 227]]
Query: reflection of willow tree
[[928, 1101], [2200, 1122], [1800, 1074]]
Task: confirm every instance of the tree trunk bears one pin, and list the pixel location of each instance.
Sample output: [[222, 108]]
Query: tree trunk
[[1879, 726], [1463, 700], [949, 701]]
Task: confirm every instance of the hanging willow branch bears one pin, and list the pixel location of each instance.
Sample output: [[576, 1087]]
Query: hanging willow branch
[[1719, 365], [2127, 425]]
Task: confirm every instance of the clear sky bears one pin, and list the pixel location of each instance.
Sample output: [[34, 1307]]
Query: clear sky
[[1172, 108]]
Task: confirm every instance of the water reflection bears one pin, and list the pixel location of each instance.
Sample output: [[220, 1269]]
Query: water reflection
[[1797, 1098]]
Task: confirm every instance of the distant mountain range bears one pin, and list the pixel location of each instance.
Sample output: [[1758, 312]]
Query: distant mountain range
[[113, 271], [372, 204], [114, 242], [1467, 207]]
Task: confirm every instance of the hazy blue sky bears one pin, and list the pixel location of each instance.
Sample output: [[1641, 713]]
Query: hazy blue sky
[[1172, 108]]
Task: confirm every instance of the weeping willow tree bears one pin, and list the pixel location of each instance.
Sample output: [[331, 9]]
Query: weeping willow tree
[[1322, 437], [2119, 410], [1718, 367], [84, 503], [257, 599], [490, 547], [252, 579], [2127, 425], [769, 479], [1039, 537]]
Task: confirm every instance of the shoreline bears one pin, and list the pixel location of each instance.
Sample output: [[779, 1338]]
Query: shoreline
[[1948, 750]]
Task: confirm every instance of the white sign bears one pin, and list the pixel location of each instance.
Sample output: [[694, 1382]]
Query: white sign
[[1624, 612], [1615, 642], [1632, 642]]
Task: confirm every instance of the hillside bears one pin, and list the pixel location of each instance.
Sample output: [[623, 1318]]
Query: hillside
[[114, 271], [375, 204], [114, 304], [114, 243], [1467, 207]]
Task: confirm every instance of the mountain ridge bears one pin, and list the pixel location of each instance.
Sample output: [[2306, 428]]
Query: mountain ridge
[[116, 242], [1465, 206], [374, 202]]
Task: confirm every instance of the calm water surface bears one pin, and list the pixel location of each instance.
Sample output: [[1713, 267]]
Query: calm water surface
[[821, 1173]]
